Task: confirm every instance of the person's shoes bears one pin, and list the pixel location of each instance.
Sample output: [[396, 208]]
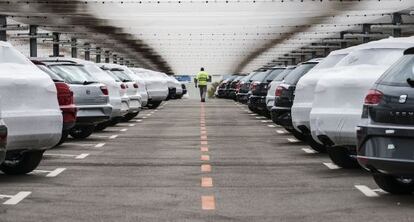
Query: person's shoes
[[203, 100]]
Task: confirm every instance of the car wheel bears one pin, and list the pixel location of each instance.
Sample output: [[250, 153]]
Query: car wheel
[[82, 132], [315, 145], [63, 138], [342, 157], [129, 116], [393, 184], [154, 105], [298, 135], [102, 126], [252, 108], [21, 163]]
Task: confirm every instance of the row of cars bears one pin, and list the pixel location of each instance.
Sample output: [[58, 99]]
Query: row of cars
[[357, 104], [44, 100]]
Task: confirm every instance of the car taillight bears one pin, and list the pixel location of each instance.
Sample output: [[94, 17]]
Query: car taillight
[[64, 94], [104, 90], [373, 97], [279, 90], [123, 86], [135, 86], [253, 86], [3, 135]]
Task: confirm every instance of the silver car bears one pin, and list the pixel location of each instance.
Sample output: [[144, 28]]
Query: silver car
[[91, 97], [270, 98]]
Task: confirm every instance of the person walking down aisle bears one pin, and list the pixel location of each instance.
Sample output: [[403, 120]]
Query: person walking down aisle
[[201, 81]]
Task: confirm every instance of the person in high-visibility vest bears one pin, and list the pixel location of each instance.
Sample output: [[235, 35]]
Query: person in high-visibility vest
[[201, 81]]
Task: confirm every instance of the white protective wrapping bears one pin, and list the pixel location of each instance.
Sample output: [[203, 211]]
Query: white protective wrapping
[[339, 98], [156, 85], [141, 85], [28, 101], [304, 92]]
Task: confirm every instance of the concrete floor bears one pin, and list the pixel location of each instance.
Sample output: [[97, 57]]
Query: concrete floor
[[150, 170]]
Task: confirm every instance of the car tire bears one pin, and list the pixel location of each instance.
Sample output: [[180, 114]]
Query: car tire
[[298, 135], [82, 132], [21, 163], [342, 157], [392, 184], [63, 138], [154, 105], [129, 116], [320, 148]]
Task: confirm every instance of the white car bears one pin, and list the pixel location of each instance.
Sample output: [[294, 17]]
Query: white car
[[142, 88], [156, 85], [132, 86], [178, 88], [29, 108], [338, 99], [271, 92], [304, 94]]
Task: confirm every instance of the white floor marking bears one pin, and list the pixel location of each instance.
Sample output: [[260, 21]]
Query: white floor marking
[[52, 173], [13, 200], [144, 117], [123, 130], [260, 117], [266, 121], [79, 144], [271, 126], [307, 150], [280, 131], [152, 112], [366, 191], [149, 114], [140, 120], [292, 140], [332, 166], [113, 136], [253, 114], [82, 156], [99, 136], [99, 145]]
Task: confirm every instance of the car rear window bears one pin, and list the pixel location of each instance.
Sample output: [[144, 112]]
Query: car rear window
[[73, 74], [273, 74], [282, 75], [399, 72], [330, 61], [297, 73], [53, 75], [376, 56], [260, 76], [121, 75]]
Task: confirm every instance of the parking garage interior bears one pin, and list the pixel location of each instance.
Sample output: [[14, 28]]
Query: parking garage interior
[[186, 160]]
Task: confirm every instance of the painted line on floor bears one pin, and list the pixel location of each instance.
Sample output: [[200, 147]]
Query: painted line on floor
[[292, 140], [260, 117], [140, 120], [366, 191], [203, 142], [144, 117], [206, 168], [15, 199], [79, 144], [280, 132], [49, 173], [123, 130], [332, 166], [310, 151], [205, 157], [204, 149], [82, 156], [271, 126], [266, 121], [203, 137], [113, 136], [99, 145], [208, 203], [131, 124], [206, 182], [253, 114]]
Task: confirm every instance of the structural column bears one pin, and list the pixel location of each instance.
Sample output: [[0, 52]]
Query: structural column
[[107, 56], [366, 29], [115, 59], [87, 51], [33, 40], [397, 20], [74, 48], [3, 25], [98, 55], [56, 41]]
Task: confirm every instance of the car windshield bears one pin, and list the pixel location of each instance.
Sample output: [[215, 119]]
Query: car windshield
[[95, 70], [297, 73], [260, 76], [282, 75], [55, 77], [330, 61], [73, 74], [273, 74], [121, 75], [399, 72], [383, 57]]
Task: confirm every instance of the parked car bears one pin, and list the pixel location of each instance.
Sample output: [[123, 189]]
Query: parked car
[[259, 87], [339, 98], [285, 94], [65, 99], [91, 97], [178, 88], [270, 97], [3, 139], [386, 131], [227, 86], [304, 94], [172, 85], [231, 88], [141, 85], [221, 88], [131, 88], [30, 110], [243, 88], [184, 88], [156, 86]]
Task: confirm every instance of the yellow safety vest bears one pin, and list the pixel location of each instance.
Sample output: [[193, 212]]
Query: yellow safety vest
[[202, 78]]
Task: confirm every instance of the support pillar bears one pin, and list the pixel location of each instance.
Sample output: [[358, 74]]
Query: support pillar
[[98, 55], [3, 24], [121, 61], [397, 20], [366, 29], [56, 41], [33, 40], [87, 52], [107, 56], [343, 44], [115, 59], [74, 49]]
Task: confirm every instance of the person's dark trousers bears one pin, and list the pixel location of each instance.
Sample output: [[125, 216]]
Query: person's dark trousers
[[203, 92]]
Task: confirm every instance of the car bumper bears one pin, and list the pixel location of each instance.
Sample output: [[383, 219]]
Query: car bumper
[[300, 116], [270, 102], [281, 116], [157, 95], [259, 102], [243, 97], [134, 104], [386, 149], [93, 114]]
